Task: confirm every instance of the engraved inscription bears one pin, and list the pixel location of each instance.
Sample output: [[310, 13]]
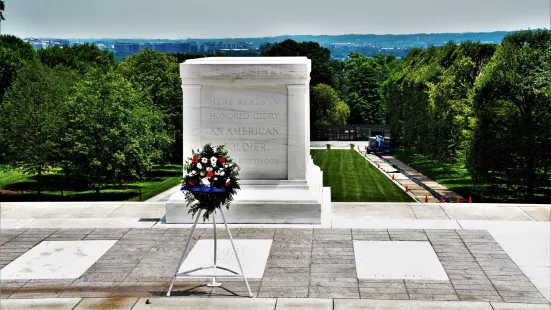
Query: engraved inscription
[[252, 123]]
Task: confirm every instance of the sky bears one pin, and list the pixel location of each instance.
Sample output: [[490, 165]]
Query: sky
[[180, 19]]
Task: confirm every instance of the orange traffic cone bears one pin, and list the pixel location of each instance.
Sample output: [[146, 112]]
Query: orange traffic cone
[[457, 199], [407, 189], [441, 199], [393, 178], [378, 165], [426, 199], [470, 199]]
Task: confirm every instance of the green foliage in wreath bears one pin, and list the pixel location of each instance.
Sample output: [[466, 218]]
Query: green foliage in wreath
[[210, 181]]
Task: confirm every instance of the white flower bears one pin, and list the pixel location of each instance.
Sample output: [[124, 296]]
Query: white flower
[[227, 180], [193, 172], [226, 166], [200, 150], [209, 169], [222, 173], [199, 166], [202, 173], [216, 172], [215, 178], [204, 160], [205, 181], [213, 161]]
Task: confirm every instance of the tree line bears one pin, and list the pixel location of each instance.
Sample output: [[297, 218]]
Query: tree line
[[488, 103], [76, 109], [491, 102]]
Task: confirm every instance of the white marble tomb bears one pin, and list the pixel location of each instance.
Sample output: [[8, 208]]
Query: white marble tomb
[[259, 107]]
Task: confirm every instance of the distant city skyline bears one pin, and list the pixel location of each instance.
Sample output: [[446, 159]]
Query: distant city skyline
[[176, 19]]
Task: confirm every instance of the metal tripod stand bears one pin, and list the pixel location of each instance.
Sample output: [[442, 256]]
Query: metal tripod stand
[[185, 274]]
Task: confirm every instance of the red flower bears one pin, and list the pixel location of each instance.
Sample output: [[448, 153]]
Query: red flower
[[191, 183], [222, 160], [227, 183], [195, 159], [210, 174]]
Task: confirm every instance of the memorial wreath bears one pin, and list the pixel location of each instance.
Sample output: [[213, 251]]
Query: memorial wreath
[[210, 181]]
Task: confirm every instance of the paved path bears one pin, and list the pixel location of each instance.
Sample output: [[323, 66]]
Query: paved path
[[414, 190], [134, 303], [313, 263], [492, 255], [439, 188]]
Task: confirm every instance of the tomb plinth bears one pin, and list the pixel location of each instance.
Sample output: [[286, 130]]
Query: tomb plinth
[[259, 108]]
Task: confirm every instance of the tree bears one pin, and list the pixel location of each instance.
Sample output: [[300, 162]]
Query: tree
[[157, 74], [322, 65], [363, 80], [428, 98], [326, 107], [512, 102], [2, 8], [114, 132], [14, 54], [78, 57], [31, 118]]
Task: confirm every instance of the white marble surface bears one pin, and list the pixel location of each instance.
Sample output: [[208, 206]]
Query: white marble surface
[[268, 203], [485, 212], [252, 122], [253, 254], [393, 223], [246, 69], [365, 304], [40, 303], [304, 304], [412, 260], [202, 303], [89, 223], [259, 107], [56, 260], [530, 249]]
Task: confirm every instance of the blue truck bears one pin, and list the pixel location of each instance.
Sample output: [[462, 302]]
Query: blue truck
[[379, 144]]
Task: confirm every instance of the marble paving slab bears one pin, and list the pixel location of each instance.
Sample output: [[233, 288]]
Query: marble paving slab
[[412, 260], [364, 304], [15, 223], [226, 303], [56, 260], [253, 254], [40, 303], [394, 224], [468, 212], [90, 223]]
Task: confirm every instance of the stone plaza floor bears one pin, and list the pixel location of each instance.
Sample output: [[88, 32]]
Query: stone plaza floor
[[428, 257]]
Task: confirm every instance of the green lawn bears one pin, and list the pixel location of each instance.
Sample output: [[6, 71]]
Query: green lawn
[[457, 178], [352, 178], [17, 186]]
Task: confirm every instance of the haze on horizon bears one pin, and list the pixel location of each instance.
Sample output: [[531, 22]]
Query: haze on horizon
[[177, 19]]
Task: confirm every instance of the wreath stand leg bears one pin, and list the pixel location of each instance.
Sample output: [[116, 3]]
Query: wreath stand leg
[[235, 252], [184, 253], [214, 267], [214, 283]]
